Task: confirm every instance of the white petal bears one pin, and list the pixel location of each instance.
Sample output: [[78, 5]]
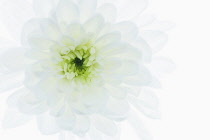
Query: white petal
[[108, 11], [156, 39], [138, 126], [82, 125], [76, 32], [94, 24], [108, 39], [51, 29], [30, 104], [161, 65], [161, 25], [14, 98], [147, 104], [117, 92], [95, 134], [32, 26], [87, 8], [114, 49], [131, 8], [67, 12], [145, 49], [105, 125], [67, 120], [14, 14], [66, 136], [58, 108], [40, 43], [33, 72], [43, 8], [14, 59], [144, 20], [143, 78], [128, 68], [47, 124], [95, 99], [155, 82], [14, 118], [10, 81], [148, 98], [128, 30], [117, 109]]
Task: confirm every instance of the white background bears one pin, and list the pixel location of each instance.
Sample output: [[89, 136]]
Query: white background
[[185, 97]]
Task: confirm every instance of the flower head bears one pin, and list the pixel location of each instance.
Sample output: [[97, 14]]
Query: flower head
[[82, 68]]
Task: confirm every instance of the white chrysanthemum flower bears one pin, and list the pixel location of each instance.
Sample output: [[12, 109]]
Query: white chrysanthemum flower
[[80, 69]]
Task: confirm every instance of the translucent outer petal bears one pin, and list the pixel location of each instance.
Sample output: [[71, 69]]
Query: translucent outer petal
[[107, 39], [161, 65], [14, 59], [128, 68], [87, 8], [30, 27], [66, 136], [143, 46], [30, 104], [43, 8], [117, 109], [156, 39], [94, 24], [10, 81], [144, 20], [138, 126], [147, 103], [95, 100], [13, 99], [118, 92], [76, 32], [143, 78], [128, 9], [133, 8], [47, 124], [51, 29], [40, 43], [95, 134], [14, 118], [82, 125], [66, 120], [67, 12], [108, 11], [104, 125], [128, 30], [14, 13]]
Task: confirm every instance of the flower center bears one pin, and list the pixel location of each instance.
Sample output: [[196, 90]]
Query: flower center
[[78, 63]]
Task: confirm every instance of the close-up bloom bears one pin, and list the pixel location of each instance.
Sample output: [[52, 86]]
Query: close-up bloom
[[82, 67]]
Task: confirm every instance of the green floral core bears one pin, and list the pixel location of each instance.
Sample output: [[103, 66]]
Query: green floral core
[[78, 62]]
